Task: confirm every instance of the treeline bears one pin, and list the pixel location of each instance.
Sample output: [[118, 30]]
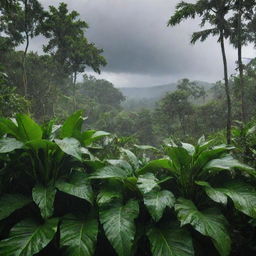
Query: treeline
[[47, 85]]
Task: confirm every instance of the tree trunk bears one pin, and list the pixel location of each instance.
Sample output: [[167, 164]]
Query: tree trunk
[[226, 87], [24, 70], [74, 90], [240, 63]]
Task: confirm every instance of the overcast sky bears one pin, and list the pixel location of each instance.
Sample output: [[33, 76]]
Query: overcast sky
[[141, 50]]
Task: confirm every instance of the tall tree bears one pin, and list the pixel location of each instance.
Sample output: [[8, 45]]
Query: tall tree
[[20, 21], [239, 36], [212, 12], [68, 44]]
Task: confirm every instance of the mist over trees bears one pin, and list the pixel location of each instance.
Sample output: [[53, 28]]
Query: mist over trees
[[85, 170]]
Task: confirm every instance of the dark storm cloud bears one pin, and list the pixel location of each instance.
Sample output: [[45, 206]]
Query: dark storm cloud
[[136, 40]]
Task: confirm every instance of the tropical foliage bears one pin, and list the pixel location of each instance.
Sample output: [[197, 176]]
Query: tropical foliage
[[60, 195]]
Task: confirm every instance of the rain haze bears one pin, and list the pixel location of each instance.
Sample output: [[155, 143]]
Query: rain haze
[[139, 47]]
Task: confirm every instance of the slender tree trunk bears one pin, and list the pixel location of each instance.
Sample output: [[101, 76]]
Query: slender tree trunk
[[74, 90], [25, 80], [226, 86], [240, 63]]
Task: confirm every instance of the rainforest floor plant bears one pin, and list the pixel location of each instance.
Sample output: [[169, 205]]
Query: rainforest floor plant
[[59, 195]]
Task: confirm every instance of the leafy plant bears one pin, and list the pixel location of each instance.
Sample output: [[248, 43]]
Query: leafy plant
[[58, 197]]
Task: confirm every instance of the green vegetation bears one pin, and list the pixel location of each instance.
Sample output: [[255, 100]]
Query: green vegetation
[[57, 183], [83, 173]]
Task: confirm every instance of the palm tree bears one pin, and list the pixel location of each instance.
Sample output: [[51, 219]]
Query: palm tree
[[212, 12]]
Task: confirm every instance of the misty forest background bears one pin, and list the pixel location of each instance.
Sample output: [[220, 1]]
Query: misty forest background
[[55, 84]]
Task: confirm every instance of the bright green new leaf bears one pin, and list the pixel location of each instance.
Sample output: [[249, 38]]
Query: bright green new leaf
[[77, 185], [9, 203], [170, 240], [44, 198], [28, 238], [70, 146], [209, 223], [72, 125], [119, 227], [78, 236], [9, 144], [28, 129], [157, 201], [7, 126]]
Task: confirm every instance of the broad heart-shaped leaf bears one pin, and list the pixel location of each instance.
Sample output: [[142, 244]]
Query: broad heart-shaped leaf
[[155, 165], [209, 223], [72, 125], [70, 146], [157, 201], [147, 182], [171, 240], [28, 238], [9, 144], [28, 129], [10, 203], [242, 194], [228, 163], [77, 185], [118, 224], [44, 198], [109, 172], [79, 236]]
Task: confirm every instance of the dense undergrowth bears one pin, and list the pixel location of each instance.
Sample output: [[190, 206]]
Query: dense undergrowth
[[65, 191]]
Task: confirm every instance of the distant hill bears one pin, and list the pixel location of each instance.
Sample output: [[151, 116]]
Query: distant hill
[[154, 93]]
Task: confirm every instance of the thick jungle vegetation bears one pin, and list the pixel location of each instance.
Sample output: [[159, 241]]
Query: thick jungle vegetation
[[81, 175]]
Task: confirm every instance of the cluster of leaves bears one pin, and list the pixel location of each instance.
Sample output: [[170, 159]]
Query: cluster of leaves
[[59, 196]]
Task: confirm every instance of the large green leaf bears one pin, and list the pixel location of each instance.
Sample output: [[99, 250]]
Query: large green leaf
[[108, 194], [70, 146], [157, 201], [9, 144], [156, 165], [242, 194], [130, 158], [228, 163], [147, 182], [170, 240], [72, 125], [118, 224], [28, 129], [91, 136], [10, 203], [209, 223], [28, 238], [216, 194], [79, 236], [180, 156], [109, 172], [44, 198], [7, 126], [77, 185]]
